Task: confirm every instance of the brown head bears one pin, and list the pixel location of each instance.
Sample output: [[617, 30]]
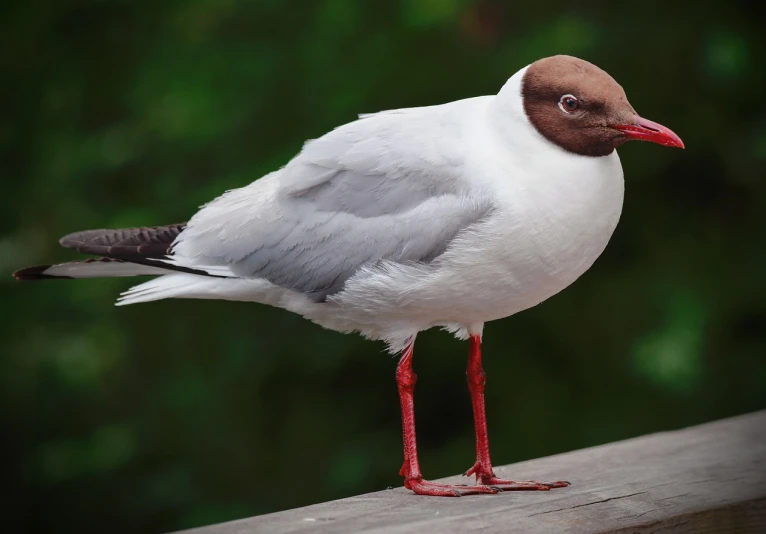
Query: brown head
[[579, 107]]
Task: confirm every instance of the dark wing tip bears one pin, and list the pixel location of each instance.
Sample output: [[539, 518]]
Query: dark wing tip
[[82, 237], [126, 243], [35, 273]]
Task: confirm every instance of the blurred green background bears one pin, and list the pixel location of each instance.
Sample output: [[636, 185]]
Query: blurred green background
[[181, 413]]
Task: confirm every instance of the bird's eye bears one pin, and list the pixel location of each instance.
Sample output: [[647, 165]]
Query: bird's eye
[[569, 104]]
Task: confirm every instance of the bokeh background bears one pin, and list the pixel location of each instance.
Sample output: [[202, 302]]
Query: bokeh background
[[181, 413]]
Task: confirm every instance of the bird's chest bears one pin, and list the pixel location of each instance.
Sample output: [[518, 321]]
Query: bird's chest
[[548, 231]]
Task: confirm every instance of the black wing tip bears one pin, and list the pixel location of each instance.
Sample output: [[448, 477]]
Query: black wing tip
[[76, 239], [144, 242], [35, 273]]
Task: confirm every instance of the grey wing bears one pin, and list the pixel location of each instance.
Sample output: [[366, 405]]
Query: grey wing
[[334, 209], [321, 249]]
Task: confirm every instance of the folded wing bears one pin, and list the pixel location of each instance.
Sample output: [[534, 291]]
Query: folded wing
[[385, 188]]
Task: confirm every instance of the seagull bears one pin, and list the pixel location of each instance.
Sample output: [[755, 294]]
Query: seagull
[[446, 216]]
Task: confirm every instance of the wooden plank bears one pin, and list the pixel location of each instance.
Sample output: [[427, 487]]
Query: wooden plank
[[708, 479]]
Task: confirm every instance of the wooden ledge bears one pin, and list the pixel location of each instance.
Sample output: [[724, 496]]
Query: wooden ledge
[[708, 479]]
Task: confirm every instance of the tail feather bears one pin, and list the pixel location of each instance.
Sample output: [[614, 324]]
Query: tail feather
[[90, 268], [192, 286], [173, 286]]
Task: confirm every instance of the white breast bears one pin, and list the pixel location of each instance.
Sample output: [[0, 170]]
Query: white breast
[[554, 218]]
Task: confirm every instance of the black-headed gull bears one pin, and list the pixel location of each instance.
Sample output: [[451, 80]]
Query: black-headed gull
[[449, 215]]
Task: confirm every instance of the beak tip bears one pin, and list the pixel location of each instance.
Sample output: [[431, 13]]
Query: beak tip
[[678, 143]]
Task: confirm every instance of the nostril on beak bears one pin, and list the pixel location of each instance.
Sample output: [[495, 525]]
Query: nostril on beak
[[649, 127]]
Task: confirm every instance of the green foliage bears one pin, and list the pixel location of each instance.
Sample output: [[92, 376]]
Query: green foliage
[[175, 414]]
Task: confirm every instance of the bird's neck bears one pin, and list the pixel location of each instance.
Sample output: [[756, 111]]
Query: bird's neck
[[507, 118]]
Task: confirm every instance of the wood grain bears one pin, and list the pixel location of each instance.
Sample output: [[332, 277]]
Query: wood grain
[[705, 479]]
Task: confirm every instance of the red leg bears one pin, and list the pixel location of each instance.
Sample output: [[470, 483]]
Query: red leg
[[405, 379], [477, 378]]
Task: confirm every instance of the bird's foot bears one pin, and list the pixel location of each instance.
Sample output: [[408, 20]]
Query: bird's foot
[[485, 477], [424, 487]]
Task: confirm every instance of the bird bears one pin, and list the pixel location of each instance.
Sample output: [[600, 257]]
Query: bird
[[448, 216]]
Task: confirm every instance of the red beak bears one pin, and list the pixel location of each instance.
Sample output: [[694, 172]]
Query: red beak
[[646, 130]]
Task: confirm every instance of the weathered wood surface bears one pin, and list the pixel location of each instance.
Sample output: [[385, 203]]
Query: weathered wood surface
[[705, 479]]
